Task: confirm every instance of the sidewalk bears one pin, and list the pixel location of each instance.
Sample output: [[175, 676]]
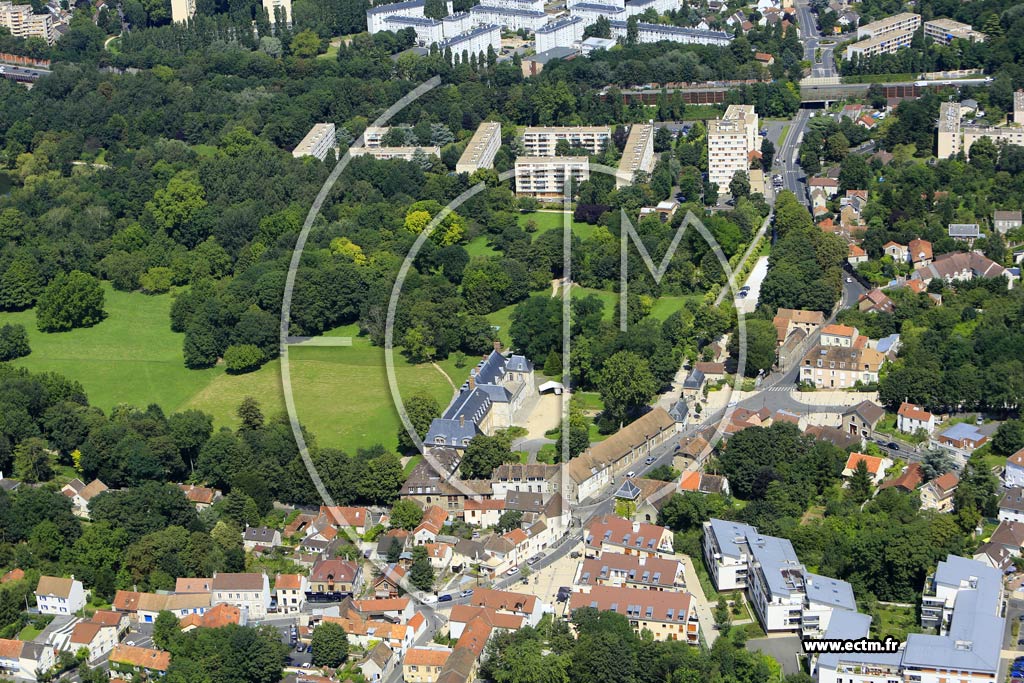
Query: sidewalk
[[707, 621]]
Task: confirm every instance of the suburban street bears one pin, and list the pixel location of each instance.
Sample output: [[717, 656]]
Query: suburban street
[[812, 40]]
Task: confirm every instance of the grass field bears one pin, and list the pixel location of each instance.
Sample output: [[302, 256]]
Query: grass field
[[550, 220], [478, 247], [341, 393]]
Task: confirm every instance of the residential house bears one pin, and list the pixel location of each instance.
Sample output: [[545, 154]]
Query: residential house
[[1013, 473], [670, 615], [215, 617], [680, 412], [693, 384], [364, 632], [861, 419], [889, 345], [964, 436], [21, 659], [1004, 221], [434, 518], [964, 232], [467, 553], [138, 663], [249, 592], [1009, 535], [483, 513], [97, 639], [836, 367], [995, 556], [106, 617], [702, 482], [764, 58], [910, 418], [908, 481], [193, 585], [424, 664], [876, 466], [631, 571], [56, 595], [427, 486], [80, 495], [440, 555], [347, 517], [898, 252], [937, 494], [875, 301], [147, 606], [839, 335], [377, 665], [835, 436], [615, 534], [1011, 505], [463, 616], [532, 478], [594, 468], [713, 371], [856, 254], [290, 591], [400, 610], [330, 580], [200, 496], [830, 186], [524, 605], [920, 252], [389, 583], [959, 266], [260, 537]]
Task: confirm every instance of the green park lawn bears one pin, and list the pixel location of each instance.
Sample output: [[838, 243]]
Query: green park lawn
[[549, 220], [341, 393]]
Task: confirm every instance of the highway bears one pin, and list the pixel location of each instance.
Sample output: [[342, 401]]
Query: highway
[[22, 74]]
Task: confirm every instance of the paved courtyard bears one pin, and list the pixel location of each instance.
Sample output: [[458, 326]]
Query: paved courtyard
[[785, 649]]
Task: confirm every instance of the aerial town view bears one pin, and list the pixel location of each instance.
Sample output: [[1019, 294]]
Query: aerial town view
[[511, 341]]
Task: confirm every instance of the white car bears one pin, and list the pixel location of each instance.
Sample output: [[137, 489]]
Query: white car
[[849, 279], [429, 599], [630, 474]]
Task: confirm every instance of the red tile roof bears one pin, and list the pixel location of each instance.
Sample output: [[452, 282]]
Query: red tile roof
[[871, 461], [423, 656], [147, 658], [913, 412]]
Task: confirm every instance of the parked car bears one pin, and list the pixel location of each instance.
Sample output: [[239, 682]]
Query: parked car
[[466, 593], [649, 461], [849, 279], [445, 598], [300, 648], [745, 288], [511, 571], [576, 554], [429, 599], [893, 446], [630, 474]]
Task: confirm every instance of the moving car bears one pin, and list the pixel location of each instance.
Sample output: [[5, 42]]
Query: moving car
[[445, 598], [630, 474], [466, 593], [649, 461], [893, 446]]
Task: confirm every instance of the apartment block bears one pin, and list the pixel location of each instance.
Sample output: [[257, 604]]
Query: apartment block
[[590, 12], [376, 16], [320, 139], [428, 31], [541, 141], [837, 367], [482, 148], [373, 135], [638, 154], [529, 5], [784, 595], [945, 31], [473, 42], [454, 24], [511, 19], [1018, 106], [274, 7], [620, 4], [730, 141], [545, 177], [668, 615], [655, 33], [182, 10], [885, 43], [1011, 135], [949, 130], [562, 33], [406, 153], [22, 23], [898, 23]]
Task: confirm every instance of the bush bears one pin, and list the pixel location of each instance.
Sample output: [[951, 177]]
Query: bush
[[156, 280], [70, 301], [242, 358], [13, 342]]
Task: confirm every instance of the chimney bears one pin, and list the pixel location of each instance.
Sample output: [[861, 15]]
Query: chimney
[[472, 382], [497, 346], [636, 527], [462, 420]]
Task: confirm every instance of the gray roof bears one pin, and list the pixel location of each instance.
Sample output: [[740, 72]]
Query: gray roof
[[524, 501], [964, 230], [963, 430], [597, 7], [694, 379], [886, 343], [829, 591], [1013, 499], [408, 4], [468, 35], [413, 21], [731, 536], [518, 364], [553, 53], [844, 625], [628, 491], [451, 432], [674, 30], [551, 28], [479, 9], [779, 563], [679, 410]]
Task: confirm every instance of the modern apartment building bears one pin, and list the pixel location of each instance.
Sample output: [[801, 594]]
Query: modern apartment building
[[898, 23], [529, 5], [541, 141], [406, 153], [511, 19], [320, 139], [655, 33], [561, 33], [885, 43], [22, 23], [590, 12], [473, 42], [376, 16], [545, 177], [1011, 135], [428, 31], [784, 595], [273, 7], [730, 141], [963, 600], [949, 130], [638, 154], [482, 148], [182, 10], [945, 31]]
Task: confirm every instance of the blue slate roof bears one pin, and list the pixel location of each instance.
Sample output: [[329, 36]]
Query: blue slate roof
[[679, 410], [628, 491], [415, 21], [962, 430], [694, 379], [561, 23], [453, 432], [886, 343], [407, 4], [829, 591]]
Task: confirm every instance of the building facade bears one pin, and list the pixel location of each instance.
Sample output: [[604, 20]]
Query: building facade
[[730, 141], [546, 177], [561, 33], [248, 592], [182, 10], [57, 595], [22, 22], [482, 148], [945, 31], [542, 141], [320, 140], [637, 155], [278, 9]]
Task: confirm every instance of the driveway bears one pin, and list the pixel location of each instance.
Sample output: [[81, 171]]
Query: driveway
[[748, 303], [786, 650]]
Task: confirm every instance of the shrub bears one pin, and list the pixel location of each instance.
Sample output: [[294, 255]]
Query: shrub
[[242, 358], [13, 342]]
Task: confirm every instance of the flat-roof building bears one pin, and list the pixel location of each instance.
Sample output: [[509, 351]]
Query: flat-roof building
[[885, 43], [22, 22], [656, 33], [897, 23], [949, 130], [945, 31], [509, 18], [406, 153], [541, 141], [561, 33], [730, 141], [473, 42], [482, 148], [545, 177], [320, 139], [376, 16], [638, 154]]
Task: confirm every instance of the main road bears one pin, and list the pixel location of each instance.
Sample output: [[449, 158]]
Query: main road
[[811, 38]]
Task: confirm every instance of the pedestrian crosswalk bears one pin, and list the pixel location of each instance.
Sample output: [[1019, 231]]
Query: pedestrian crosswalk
[[780, 387]]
